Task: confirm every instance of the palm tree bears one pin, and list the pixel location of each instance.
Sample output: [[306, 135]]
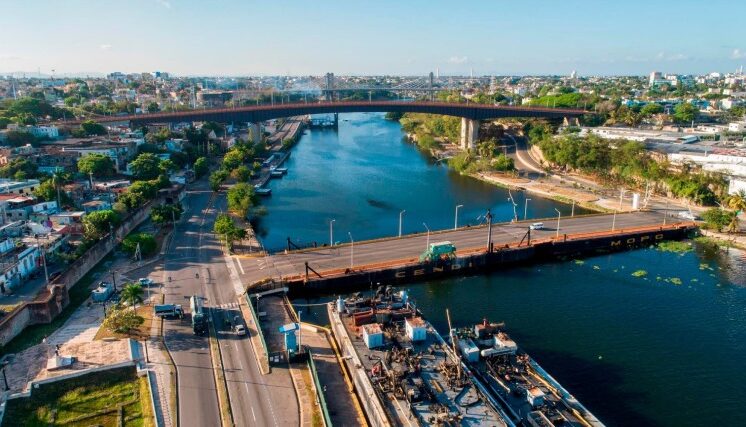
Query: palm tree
[[132, 294], [737, 201], [733, 226]]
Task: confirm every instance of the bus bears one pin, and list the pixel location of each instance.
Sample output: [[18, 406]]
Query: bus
[[199, 317]]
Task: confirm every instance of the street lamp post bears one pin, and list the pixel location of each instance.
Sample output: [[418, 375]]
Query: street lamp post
[[352, 249], [331, 232], [300, 332], [525, 208], [572, 212], [401, 214], [559, 216], [455, 221], [665, 213], [5, 378], [613, 222], [427, 245]]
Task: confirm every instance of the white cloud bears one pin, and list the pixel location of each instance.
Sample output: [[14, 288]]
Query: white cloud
[[6, 57], [738, 54], [104, 46], [458, 59], [663, 56], [164, 3]]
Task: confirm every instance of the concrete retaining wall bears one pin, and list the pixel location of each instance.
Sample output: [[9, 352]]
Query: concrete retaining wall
[[371, 404]]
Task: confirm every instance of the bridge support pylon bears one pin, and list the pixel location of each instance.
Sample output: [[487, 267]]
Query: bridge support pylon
[[570, 121], [469, 133], [256, 132]]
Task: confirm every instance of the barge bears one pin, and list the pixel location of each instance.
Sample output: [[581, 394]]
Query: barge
[[527, 393], [404, 371]]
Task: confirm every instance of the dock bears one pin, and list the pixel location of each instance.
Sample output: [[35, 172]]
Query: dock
[[397, 260]]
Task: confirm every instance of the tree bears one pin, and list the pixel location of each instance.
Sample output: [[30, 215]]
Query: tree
[[145, 166], [132, 294], [48, 191], [737, 201], [97, 164], [503, 163], [217, 178], [241, 197], [153, 107], [147, 190], [717, 218], [685, 113], [200, 167], [167, 166], [19, 167], [225, 227], [147, 243], [97, 224], [91, 128], [242, 173], [16, 138], [651, 109], [165, 214], [122, 321], [233, 159]]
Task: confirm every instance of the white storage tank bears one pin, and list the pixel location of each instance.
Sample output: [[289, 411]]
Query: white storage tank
[[416, 329], [373, 335]]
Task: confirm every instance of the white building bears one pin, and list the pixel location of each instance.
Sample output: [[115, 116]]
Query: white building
[[8, 186], [50, 132]]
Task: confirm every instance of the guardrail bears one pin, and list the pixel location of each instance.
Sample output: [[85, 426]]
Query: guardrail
[[320, 398], [258, 328]]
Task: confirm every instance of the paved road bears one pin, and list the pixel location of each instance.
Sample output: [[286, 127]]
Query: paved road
[[412, 246], [523, 161], [255, 399], [198, 403]]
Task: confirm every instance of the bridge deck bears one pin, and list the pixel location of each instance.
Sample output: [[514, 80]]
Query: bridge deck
[[260, 113], [394, 251]]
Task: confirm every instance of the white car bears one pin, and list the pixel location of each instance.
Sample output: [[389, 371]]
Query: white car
[[240, 330], [536, 226], [687, 215]]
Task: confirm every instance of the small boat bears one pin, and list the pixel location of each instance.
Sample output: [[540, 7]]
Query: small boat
[[263, 191]]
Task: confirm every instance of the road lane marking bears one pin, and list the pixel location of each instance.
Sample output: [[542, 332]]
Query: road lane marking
[[240, 267]]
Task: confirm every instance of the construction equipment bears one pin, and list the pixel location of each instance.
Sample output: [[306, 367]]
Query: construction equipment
[[439, 251]]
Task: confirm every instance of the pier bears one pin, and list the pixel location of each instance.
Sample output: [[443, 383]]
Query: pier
[[398, 260]]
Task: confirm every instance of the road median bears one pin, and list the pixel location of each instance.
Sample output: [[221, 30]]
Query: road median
[[226, 416]]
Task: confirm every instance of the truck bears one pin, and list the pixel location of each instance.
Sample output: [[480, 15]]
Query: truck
[[199, 317], [169, 311], [438, 251]]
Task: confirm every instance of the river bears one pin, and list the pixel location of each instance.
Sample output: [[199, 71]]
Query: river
[[664, 349], [363, 175]]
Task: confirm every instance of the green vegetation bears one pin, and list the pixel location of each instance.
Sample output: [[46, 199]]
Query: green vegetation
[[227, 229], [674, 246], [640, 273], [241, 198], [628, 163], [97, 224], [147, 242], [200, 167], [166, 214], [89, 128], [131, 295], [98, 165], [92, 399], [146, 166], [217, 178], [19, 168], [718, 219], [122, 320]]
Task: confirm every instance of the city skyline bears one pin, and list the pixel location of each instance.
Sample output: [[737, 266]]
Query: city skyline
[[237, 39]]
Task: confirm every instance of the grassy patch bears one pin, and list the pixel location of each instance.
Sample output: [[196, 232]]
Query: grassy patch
[[140, 333], [101, 398], [674, 246], [78, 293]]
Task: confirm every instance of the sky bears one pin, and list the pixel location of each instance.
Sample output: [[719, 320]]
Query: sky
[[404, 37]]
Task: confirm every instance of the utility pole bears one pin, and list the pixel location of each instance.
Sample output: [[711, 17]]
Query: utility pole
[[331, 232], [488, 217], [559, 216], [427, 245], [352, 250], [455, 221], [525, 208]]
